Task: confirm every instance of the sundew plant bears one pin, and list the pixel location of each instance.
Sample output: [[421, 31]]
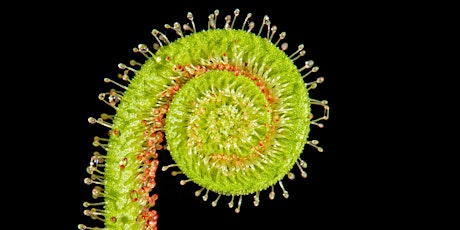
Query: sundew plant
[[226, 102]]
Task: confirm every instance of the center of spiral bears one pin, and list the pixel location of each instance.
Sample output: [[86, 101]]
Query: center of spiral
[[228, 124], [232, 127], [218, 115]]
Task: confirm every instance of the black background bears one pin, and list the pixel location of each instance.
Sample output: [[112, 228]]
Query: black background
[[74, 46]]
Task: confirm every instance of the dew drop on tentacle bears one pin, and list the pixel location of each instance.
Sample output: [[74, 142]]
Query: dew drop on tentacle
[[214, 203], [271, 195], [240, 201], [190, 17], [198, 192], [256, 199]]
